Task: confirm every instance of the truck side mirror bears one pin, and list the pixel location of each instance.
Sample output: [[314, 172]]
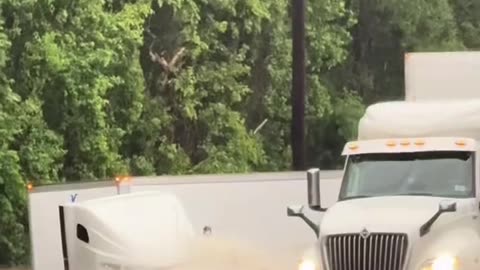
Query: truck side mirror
[[447, 206], [297, 211], [313, 182]]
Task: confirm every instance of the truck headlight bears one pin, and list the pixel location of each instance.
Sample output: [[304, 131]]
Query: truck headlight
[[441, 263], [307, 265]]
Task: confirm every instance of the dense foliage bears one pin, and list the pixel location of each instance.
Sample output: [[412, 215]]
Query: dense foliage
[[90, 89]]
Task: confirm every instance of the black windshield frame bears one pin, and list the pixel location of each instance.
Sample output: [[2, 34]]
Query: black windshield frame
[[407, 156]]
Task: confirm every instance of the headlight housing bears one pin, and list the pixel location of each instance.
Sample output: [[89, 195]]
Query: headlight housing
[[307, 265], [442, 263]]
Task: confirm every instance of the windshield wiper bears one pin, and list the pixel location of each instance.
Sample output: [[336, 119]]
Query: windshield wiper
[[444, 207], [356, 197], [416, 194]]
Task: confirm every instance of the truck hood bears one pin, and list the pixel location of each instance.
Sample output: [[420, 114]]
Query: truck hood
[[401, 214], [151, 229]]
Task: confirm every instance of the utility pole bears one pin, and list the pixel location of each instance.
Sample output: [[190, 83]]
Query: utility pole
[[298, 85]]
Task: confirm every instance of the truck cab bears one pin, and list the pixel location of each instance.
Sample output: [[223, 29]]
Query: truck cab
[[403, 204], [410, 192]]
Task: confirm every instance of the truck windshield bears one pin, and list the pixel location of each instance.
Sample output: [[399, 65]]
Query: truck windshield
[[442, 174]]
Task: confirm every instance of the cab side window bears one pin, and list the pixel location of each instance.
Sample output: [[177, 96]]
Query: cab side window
[[82, 233]]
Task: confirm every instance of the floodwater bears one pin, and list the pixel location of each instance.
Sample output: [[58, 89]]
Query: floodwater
[[227, 254], [212, 253], [223, 254]]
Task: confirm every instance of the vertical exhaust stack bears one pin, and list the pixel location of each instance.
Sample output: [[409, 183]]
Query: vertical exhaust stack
[[123, 184], [313, 189]]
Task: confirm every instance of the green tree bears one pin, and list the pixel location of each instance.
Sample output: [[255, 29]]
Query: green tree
[[196, 66], [385, 31], [12, 188], [467, 18], [328, 38], [79, 62], [67, 96]]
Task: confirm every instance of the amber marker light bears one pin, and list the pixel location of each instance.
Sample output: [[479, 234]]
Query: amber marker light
[[353, 147], [419, 142], [391, 143], [29, 186], [461, 143], [405, 143]]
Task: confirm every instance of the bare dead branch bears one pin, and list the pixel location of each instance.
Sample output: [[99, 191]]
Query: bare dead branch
[[169, 67]]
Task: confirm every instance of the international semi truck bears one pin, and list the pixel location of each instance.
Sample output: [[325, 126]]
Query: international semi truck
[[410, 191]]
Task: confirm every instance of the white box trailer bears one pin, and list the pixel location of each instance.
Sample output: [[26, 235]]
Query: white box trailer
[[442, 76], [248, 207]]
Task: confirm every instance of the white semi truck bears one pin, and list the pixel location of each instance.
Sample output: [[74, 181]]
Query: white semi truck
[[159, 222], [409, 198]]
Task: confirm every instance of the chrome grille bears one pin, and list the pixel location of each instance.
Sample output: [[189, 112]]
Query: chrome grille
[[375, 252]]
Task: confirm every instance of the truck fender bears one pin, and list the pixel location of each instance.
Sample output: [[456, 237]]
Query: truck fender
[[459, 239]]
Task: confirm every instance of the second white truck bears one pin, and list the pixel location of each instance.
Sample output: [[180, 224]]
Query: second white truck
[[137, 231], [410, 194]]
